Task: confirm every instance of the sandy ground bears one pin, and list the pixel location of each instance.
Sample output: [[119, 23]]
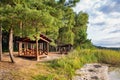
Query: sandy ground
[[10, 71]]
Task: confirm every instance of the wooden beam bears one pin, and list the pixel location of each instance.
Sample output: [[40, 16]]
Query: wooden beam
[[44, 40], [37, 49]]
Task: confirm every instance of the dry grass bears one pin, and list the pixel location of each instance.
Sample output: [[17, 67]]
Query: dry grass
[[61, 69], [23, 69]]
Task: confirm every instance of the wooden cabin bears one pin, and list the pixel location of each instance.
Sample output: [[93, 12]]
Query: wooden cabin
[[64, 49], [31, 48]]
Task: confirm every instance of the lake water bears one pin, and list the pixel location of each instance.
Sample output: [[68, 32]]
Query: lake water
[[114, 73]]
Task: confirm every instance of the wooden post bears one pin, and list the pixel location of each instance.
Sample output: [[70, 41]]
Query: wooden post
[[20, 49], [20, 43], [40, 48], [43, 46], [37, 55], [26, 45], [33, 50], [47, 47], [25, 48]]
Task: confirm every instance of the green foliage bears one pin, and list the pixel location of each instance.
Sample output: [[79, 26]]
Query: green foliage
[[86, 45], [81, 19], [56, 19], [81, 36], [42, 77], [66, 66], [80, 29], [33, 15], [66, 36], [49, 77]]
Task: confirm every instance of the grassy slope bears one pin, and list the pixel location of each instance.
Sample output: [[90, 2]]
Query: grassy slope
[[64, 68], [61, 69]]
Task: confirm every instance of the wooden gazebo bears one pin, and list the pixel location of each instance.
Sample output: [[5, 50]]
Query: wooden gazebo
[[65, 48], [33, 48]]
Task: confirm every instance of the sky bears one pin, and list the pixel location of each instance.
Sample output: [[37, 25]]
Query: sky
[[104, 21]]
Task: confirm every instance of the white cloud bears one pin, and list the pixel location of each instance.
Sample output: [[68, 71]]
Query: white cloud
[[104, 17], [84, 5]]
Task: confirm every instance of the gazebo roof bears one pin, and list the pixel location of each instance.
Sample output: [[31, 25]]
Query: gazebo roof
[[43, 38]]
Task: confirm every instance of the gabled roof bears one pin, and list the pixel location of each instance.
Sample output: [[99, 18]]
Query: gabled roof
[[43, 38]]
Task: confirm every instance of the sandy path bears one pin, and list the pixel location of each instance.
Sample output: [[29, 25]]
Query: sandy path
[[10, 71]]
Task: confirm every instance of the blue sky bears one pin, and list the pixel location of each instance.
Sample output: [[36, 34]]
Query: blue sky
[[104, 21]]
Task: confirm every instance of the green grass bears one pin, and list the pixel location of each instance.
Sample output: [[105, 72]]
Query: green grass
[[64, 68], [108, 56]]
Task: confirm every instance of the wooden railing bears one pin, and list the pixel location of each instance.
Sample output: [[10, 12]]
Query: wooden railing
[[32, 52]]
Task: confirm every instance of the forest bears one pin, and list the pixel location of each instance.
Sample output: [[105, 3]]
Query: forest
[[57, 20], [30, 18]]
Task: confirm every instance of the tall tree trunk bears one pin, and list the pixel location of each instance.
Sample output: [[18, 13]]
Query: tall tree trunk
[[0, 42], [11, 45]]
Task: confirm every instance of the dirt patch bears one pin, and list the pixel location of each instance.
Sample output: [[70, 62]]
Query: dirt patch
[[24, 68]]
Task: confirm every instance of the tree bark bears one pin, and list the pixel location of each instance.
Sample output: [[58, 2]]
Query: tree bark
[[0, 42], [11, 45]]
